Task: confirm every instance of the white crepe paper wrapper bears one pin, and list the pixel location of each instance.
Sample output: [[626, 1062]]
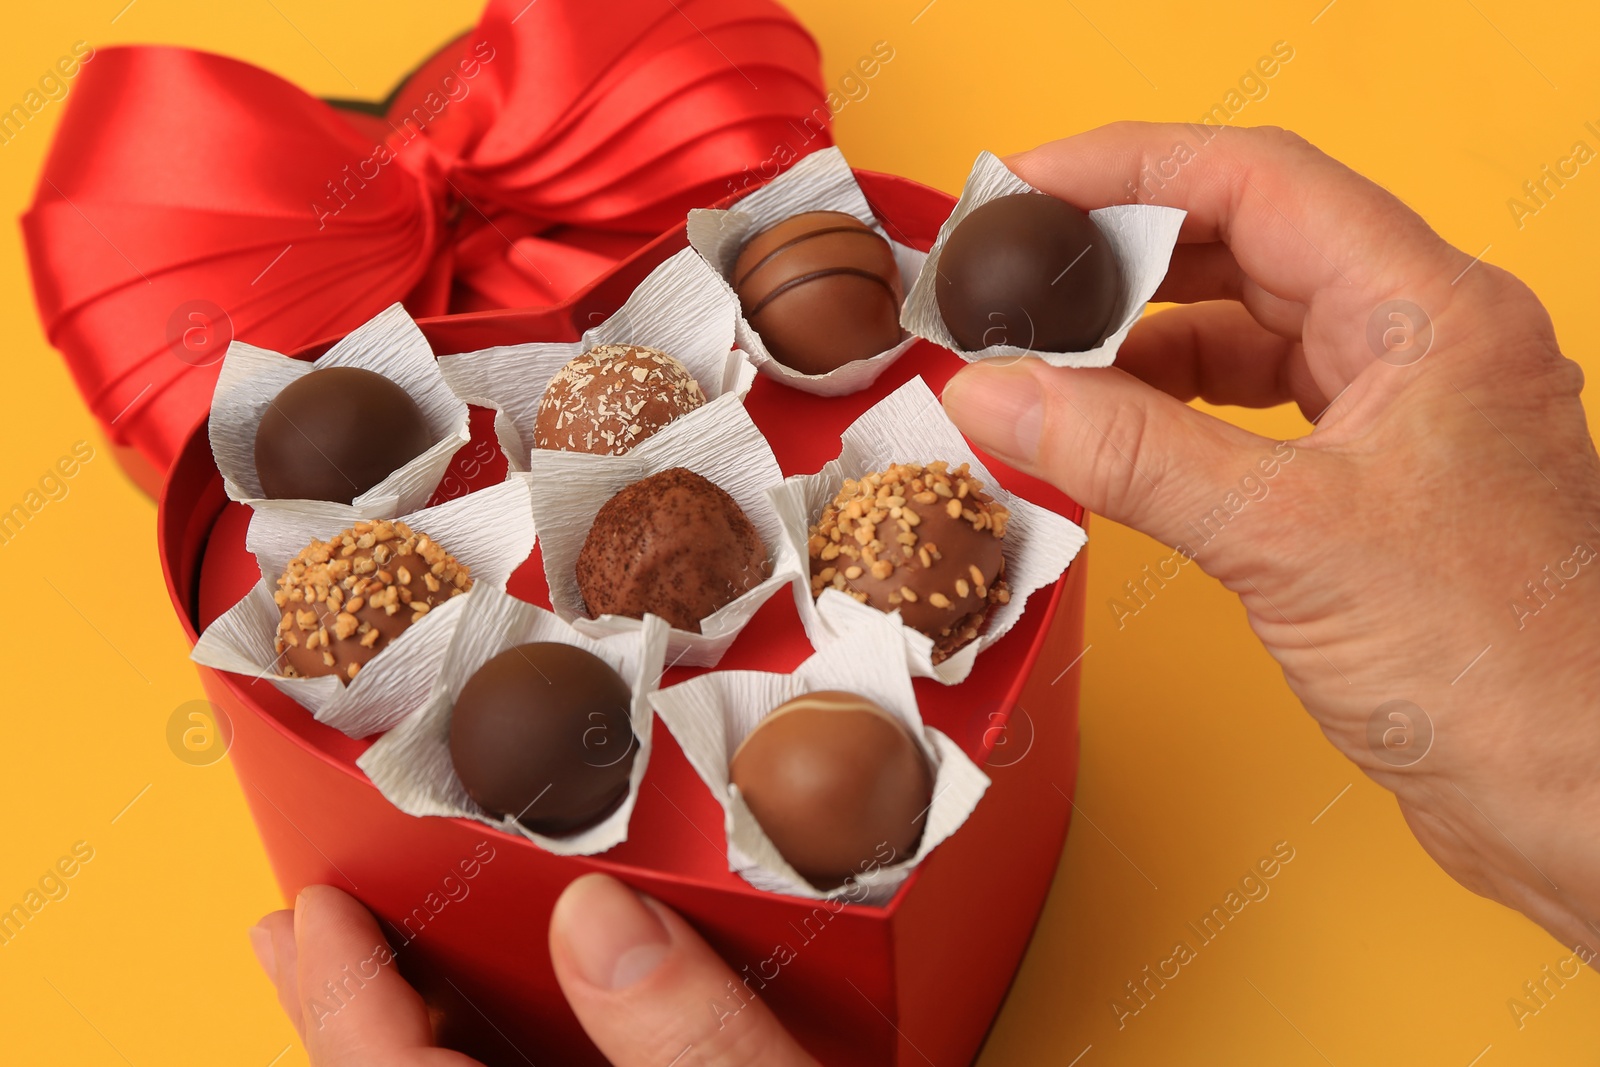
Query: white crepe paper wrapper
[[681, 308], [712, 715], [389, 344], [821, 181], [490, 531], [726, 449], [411, 763], [1141, 235], [910, 426]]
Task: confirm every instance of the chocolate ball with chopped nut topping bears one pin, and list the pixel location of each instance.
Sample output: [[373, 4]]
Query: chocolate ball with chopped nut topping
[[612, 397], [344, 599], [921, 540], [335, 433]]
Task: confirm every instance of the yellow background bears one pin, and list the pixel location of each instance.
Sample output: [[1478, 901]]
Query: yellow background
[[1196, 757]]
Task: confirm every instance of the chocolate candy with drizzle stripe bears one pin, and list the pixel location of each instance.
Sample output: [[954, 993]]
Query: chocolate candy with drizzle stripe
[[821, 289]]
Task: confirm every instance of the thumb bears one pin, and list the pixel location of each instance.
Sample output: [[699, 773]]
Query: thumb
[[649, 991], [1114, 444], [355, 1006]]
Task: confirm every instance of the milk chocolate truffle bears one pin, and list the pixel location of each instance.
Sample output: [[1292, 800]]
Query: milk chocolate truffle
[[542, 733], [610, 398], [921, 539], [1031, 271], [344, 599], [837, 784], [673, 545], [821, 289], [335, 433]]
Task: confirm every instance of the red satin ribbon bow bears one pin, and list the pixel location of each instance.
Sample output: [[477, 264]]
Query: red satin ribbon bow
[[190, 197]]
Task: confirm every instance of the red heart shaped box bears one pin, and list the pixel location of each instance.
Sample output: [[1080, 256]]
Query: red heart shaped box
[[918, 980]]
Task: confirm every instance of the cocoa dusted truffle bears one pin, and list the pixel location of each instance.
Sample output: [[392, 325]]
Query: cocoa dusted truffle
[[1031, 271], [822, 289], [335, 433], [612, 397], [344, 599], [673, 545], [542, 733], [836, 783], [921, 539]]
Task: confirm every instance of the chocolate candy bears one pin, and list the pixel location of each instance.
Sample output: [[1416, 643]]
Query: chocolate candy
[[1031, 271], [335, 433], [542, 733], [921, 540], [673, 545], [612, 397], [821, 289], [343, 600], [837, 784]]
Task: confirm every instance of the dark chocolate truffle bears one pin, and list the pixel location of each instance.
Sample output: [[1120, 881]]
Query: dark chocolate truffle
[[335, 433], [612, 397], [837, 784], [923, 540], [1031, 271], [344, 599], [821, 289], [542, 733], [673, 545]]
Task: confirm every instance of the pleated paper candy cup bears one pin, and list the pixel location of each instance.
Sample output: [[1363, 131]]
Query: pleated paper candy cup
[[411, 763], [710, 716], [491, 532], [822, 181], [910, 426], [1142, 236], [389, 344], [681, 308]]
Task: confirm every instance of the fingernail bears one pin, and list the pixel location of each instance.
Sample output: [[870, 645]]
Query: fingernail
[[615, 940], [261, 944], [1000, 408]]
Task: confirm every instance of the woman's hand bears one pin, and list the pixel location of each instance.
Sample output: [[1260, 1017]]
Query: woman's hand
[[636, 975], [1435, 539]]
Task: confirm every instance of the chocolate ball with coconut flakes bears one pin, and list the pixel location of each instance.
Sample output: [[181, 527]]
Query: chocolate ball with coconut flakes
[[612, 397]]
